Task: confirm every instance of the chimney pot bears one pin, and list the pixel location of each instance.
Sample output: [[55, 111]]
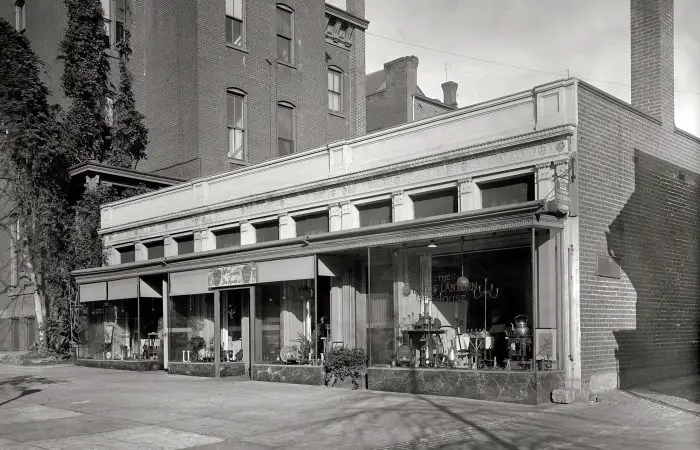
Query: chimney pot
[[449, 93]]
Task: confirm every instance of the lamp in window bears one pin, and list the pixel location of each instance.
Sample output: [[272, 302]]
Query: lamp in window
[[406, 289], [462, 283]]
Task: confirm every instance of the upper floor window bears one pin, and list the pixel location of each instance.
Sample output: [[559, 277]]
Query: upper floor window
[[107, 16], [507, 191], [376, 213], [230, 237], [120, 22], [285, 34], [234, 22], [266, 232], [20, 18], [236, 124], [434, 203], [155, 249], [335, 93], [127, 254], [285, 129], [185, 244], [312, 224]]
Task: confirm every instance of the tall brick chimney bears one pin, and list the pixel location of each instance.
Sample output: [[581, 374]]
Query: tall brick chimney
[[652, 58], [449, 93], [401, 84]]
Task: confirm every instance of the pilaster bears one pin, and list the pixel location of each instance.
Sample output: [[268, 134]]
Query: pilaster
[[288, 226], [335, 218], [204, 240], [247, 233], [469, 195], [111, 256], [401, 207], [169, 246], [140, 251], [350, 216]]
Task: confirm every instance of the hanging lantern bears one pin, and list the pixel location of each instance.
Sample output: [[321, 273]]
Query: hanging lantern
[[406, 290], [462, 283]]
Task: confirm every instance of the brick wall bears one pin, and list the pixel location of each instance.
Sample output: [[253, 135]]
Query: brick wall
[[639, 201], [422, 109]]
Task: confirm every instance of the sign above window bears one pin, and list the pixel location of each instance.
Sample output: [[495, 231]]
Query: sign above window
[[236, 275]]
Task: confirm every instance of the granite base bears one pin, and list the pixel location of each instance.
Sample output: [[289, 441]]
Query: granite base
[[206, 369], [502, 386], [281, 373], [141, 365]]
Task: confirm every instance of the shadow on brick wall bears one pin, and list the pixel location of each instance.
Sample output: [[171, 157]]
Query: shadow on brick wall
[[655, 241]]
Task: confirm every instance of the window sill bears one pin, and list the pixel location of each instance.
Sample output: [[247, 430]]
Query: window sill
[[238, 162], [238, 47], [290, 65], [336, 114], [112, 53]]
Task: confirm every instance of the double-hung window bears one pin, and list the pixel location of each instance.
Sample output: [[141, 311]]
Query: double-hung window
[[236, 124], [335, 93], [107, 16], [285, 34], [234, 22], [285, 129]]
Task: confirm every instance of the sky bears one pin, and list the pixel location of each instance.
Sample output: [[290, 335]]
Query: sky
[[544, 38]]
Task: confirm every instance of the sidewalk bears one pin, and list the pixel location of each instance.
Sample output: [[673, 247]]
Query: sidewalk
[[68, 407]]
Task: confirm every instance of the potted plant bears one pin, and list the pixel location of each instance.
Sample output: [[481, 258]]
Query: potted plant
[[341, 363], [196, 344]]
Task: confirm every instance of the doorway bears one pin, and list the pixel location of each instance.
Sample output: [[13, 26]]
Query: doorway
[[235, 326]]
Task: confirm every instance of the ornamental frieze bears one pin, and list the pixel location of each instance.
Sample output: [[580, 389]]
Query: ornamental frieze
[[454, 170]]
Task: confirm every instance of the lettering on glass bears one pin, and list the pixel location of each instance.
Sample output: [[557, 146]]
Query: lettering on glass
[[233, 275]]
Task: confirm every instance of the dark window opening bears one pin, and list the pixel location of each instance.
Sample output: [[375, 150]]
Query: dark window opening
[[435, 203], [155, 250], [127, 254], [228, 238], [285, 129], [375, 213], [508, 191], [266, 232], [185, 245], [312, 224]]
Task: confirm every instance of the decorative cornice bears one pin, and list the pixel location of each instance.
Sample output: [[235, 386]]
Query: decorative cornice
[[482, 149], [347, 17]]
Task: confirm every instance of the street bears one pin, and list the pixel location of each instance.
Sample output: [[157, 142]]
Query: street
[[62, 407]]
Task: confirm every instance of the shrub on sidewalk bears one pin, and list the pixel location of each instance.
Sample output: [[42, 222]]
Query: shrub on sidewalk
[[341, 363]]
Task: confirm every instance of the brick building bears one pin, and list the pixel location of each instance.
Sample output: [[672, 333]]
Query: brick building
[[563, 203], [224, 84], [394, 97]]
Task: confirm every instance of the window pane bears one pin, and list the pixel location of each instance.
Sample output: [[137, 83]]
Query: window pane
[[185, 245], [127, 254], [191, 319], [229, 30], [312, 224], [507, 192], [265, 232], [229, 7], [155, 250], [284, 122], [236, 147], [238, 113], [106, 10], [375, 213], [285, 147], [435, 203], [237, 32], [284, 23], [238, 9], [330, 80], [228, 238], [284, 46], [334, 101]]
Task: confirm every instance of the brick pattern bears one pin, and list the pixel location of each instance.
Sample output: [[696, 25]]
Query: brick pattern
[[652, 57], [639, 197]]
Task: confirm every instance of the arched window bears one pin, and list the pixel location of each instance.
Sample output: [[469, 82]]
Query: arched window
[[335, 89], [285, 129], [285, 34], [236, 125]]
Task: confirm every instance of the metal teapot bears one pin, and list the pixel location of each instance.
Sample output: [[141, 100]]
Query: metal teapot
[[521, 328]]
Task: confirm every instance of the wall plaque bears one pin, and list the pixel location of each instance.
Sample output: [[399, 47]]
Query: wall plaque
[[607, 267], [236, 275]]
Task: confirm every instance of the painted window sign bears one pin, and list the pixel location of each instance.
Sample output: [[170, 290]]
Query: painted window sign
[[233, 275]]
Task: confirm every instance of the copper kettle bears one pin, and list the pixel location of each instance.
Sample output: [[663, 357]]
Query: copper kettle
[[521, 328]]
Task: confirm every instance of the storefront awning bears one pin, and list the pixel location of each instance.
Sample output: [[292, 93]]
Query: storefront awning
[[122, 289], [93, 292]]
